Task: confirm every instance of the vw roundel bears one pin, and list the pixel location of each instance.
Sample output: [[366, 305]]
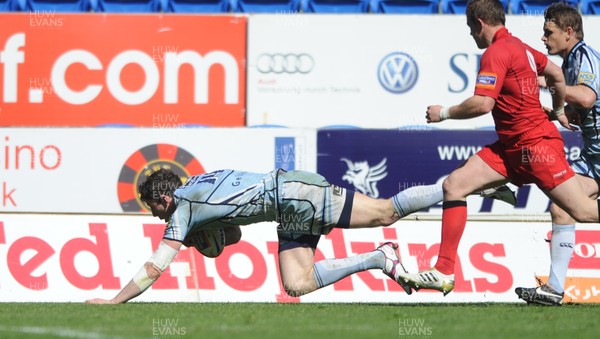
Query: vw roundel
[[398, 72]]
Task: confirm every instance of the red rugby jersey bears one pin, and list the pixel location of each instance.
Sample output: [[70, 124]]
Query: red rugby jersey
[[508, 73]]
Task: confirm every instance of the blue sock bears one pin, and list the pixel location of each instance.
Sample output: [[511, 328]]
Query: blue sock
[[329, 271], [416, 198], [561, 250]]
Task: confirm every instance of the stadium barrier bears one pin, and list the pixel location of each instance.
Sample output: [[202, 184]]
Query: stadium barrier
[[71, 258]]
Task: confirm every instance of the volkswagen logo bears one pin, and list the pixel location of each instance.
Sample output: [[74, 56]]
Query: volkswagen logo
[[398, 72], [285, 63]]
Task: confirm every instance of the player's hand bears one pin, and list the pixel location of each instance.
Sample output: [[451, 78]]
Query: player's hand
[[99, 301], [433, 113], [564, 122], [569, 120], [572, 115]]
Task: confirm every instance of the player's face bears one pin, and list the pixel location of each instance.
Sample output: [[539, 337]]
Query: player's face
[[159, 209], [476, 33], [554, 39]]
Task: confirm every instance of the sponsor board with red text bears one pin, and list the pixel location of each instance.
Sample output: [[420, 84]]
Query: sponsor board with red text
[[109, 69], [97, 170], [77, 257]]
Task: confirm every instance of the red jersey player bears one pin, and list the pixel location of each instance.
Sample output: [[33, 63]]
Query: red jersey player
[[529, 147]]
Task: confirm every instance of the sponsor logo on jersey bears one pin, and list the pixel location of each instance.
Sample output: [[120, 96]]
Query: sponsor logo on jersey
[[585, 78], [337, 190], [486, 80]]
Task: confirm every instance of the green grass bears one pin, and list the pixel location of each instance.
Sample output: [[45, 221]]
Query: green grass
[[306, 321]]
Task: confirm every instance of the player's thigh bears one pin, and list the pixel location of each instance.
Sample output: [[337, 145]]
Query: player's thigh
[[572, 198], [474, 175], [296, 264], [308, 204], [590, 188]]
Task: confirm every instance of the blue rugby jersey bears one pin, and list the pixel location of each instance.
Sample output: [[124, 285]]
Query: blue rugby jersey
[[221, 198], [582, 67]]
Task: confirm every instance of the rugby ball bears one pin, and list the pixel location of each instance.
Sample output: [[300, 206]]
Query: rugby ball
[[209, 243]]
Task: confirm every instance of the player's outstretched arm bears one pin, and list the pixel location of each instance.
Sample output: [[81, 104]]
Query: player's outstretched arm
[[470, 108], [147, 275]]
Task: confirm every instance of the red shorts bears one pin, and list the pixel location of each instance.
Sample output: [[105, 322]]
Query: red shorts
[[538, 157]]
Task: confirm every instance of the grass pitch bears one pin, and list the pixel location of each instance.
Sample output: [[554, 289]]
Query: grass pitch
[[305, 321]]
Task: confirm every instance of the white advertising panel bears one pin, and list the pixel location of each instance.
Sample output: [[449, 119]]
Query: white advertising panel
[[369, 71], [72, 258], [87, 170]]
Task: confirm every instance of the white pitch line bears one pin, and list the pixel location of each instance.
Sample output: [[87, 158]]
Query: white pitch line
[[57, 331]]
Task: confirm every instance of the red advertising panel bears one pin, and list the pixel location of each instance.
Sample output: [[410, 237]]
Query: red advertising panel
[[111, 69]]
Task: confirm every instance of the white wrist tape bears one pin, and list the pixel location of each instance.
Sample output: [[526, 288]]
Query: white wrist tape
[[444, 113], [161, 259], [142, 280], [163, 256], [558, 112]]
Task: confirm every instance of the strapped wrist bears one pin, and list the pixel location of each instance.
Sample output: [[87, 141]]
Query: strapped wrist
[[444, 113], [558, 112]]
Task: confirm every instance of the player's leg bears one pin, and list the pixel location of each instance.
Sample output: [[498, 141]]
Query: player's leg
[[371, 212], [570, 197], [301, 275], [296, 259], [562, 243], [563, 235], [309, 204], [416, 198], [473, 176], [561, 251]]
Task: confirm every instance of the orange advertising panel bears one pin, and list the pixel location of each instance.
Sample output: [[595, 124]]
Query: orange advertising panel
[[580, 289], [113, 69]]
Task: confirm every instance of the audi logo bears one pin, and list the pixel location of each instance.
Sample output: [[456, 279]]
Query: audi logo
[[285, 63]]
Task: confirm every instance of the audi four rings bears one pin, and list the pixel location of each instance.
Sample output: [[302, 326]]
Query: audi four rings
[[285, 63]]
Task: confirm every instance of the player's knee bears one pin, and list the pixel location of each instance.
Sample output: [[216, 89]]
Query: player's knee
[[559, 216], [448, 186], [454, 188], [296, 289], [299, 283]]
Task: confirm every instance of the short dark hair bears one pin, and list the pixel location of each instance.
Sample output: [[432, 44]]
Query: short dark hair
[[489, 11], [160, 182], [564, 15]]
